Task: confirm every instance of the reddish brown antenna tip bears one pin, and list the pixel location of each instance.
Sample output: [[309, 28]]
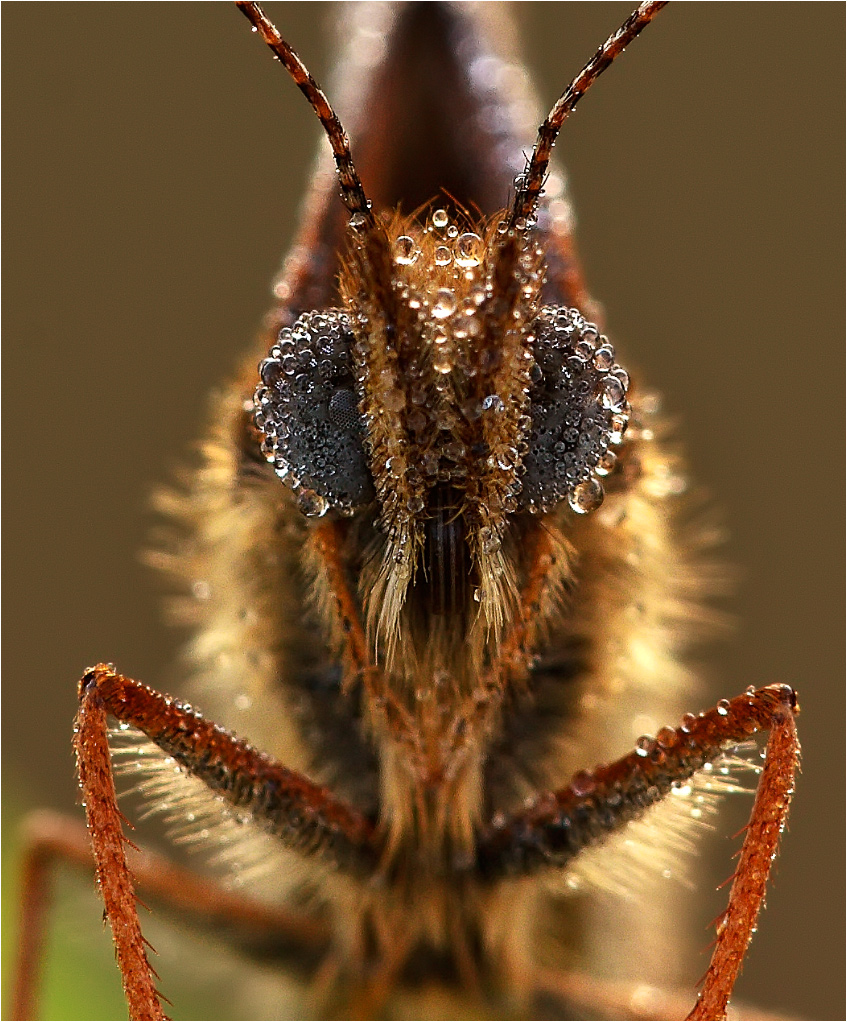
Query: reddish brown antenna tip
[[533, 178], [352, 192]]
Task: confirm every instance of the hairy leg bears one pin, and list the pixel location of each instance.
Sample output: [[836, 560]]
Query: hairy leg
[[556, 826], [300, 813]]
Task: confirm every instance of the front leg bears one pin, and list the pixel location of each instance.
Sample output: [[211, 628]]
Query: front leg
[[556, 827], [300, 813]]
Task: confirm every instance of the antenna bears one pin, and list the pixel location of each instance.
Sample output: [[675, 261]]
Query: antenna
[[526, 198], [352, 192]]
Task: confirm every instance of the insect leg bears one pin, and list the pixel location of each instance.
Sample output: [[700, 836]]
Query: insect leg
[[108, 843], [736, 925], [51, 839], [48, 838], [331, 579], [302, 814], [638, 1002], [555, 827]]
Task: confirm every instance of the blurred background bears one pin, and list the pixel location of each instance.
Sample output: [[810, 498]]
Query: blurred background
[[154, 161]]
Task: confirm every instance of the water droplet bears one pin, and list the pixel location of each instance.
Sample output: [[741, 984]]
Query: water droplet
[[440, 218], [443, 255], [395, 467], [469, 249], [358, 221], [493, 403], [405, 250], [644, 745], [750, 690], [606, 464], [611, 393], [416, 504], [452, 231], [604, 357], [688, 721], [312, 504], [584, 350], [723, 707], [417, 420], [667, 737], [394, 400], [490, 539], [445, 303], [617, 428], [583, 783], [586, 496]]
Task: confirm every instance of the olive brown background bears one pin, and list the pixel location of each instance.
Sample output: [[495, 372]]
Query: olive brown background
[[154, 160]]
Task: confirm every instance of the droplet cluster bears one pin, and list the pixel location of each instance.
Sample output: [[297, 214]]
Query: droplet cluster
[[579, 411], [440, 278], [446, 380], [306, 407]]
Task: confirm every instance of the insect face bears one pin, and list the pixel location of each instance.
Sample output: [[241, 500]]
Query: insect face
[[633, 296]]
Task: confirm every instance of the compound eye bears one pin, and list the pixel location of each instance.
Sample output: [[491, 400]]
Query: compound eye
[[579, 411], [307, 409]]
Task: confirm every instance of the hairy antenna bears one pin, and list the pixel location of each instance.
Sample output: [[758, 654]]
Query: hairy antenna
[[352, 192], [536, 170]]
